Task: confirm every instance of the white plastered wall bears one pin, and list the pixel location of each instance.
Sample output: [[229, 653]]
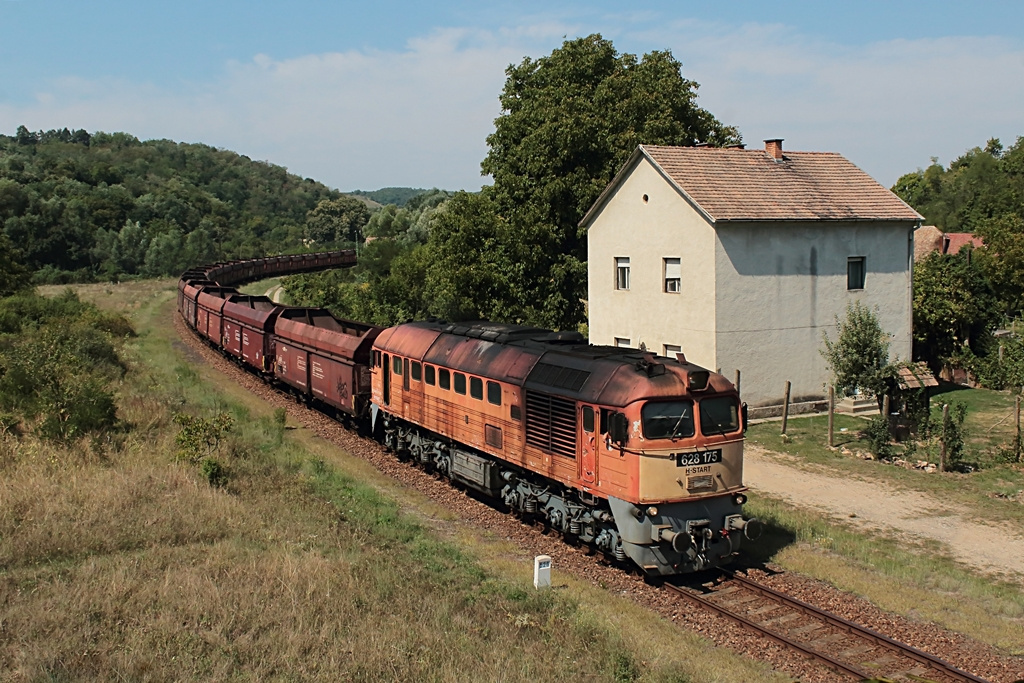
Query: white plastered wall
[[665, 226], [780, 287]]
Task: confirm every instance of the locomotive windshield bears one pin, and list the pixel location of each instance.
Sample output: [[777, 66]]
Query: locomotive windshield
[[668, 419], [719, 415]]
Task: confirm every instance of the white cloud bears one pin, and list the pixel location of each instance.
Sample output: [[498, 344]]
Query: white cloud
[[419, 116], [887, 106], [358, 119]]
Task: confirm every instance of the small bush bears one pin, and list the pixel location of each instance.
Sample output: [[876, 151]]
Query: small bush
[[954, 434], [877, 435], [213, 472], [199, 438]]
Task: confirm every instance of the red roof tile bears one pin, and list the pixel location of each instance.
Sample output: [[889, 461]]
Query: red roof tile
[[747, 185]]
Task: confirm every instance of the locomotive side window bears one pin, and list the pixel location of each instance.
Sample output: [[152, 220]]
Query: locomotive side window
[[494, 393], [416, 371], [428, 374], [588, 419], [460, 383], [444, 379], [515, 412], [397, 365], [476, 388]]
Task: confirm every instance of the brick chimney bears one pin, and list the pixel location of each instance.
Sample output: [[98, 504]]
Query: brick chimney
[[773, 148]]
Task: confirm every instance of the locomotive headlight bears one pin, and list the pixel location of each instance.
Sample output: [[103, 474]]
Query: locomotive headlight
[[652, 511], [739, 499]]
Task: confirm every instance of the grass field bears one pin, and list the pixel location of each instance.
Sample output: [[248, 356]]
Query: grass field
[[119, 560]]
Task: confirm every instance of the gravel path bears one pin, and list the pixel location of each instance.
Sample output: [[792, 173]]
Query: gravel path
[[994, 548], [955, 648]]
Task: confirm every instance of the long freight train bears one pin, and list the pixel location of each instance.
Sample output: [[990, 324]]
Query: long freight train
[[638, 455]]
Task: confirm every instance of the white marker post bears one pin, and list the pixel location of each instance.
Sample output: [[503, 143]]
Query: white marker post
[[542, 572]]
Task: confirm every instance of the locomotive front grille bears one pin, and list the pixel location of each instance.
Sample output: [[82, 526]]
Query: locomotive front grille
[[702, 483]]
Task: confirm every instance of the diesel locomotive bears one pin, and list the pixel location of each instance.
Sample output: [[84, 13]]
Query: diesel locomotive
[[637, 455]]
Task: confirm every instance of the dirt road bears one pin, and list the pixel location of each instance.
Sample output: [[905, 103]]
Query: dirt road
[[995, 549]]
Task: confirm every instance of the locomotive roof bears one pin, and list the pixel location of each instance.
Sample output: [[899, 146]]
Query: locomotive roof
[[542, 360]]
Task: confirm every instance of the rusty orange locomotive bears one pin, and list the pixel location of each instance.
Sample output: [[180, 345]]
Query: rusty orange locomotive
[[640, 456]]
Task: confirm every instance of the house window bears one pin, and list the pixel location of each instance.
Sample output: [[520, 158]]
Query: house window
[[855, 272], [671, 350], [622, 272], [672, 275], [622, 342]]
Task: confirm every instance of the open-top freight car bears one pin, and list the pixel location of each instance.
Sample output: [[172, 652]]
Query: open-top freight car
[[326, 359]]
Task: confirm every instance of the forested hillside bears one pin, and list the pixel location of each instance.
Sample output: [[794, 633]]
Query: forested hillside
[[81, 206]]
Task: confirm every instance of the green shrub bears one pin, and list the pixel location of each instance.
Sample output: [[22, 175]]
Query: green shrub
[[877, 435], [199, 438], [213, 472]]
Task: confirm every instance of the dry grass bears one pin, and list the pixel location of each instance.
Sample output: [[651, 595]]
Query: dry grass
[[118, 561]]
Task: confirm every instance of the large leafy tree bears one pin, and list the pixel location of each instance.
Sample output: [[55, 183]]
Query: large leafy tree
[[337, 220], [568, 123], [955, 307], [14, 277]]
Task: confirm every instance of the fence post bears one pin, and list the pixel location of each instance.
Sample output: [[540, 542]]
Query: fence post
[[942, 452], [1016, 441], [785, 407], [831, 416]]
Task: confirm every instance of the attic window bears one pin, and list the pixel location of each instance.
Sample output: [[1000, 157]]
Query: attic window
[[855, 272]]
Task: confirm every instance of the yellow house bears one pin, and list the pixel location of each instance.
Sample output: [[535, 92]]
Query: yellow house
[[742, 259]]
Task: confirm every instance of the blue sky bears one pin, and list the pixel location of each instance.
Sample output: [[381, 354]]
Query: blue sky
[[371, 94]]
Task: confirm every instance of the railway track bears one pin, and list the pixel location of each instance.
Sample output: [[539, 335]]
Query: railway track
[[845, 647]]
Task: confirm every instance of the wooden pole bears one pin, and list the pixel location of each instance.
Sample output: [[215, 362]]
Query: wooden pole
[[942, 452], [738, 382], [831, 416], [885, 411], [785, 407], [1016, 441]]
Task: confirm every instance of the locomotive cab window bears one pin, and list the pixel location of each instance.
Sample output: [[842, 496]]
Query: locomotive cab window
[[460, 383], [588, 419], [428, 374], [416, 371], [397, 365], [444, 379], [719, 415], [476, 388], [668, 419], [494, 393]]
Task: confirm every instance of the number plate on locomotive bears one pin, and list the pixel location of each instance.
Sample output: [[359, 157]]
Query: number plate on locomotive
[[700, 458]]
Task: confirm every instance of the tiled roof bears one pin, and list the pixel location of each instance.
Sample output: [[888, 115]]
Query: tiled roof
[[953, 242], [916, 377], [747, 185], [927, 239]]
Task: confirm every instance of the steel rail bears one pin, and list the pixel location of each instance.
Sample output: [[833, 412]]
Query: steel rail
[[931, 661]]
